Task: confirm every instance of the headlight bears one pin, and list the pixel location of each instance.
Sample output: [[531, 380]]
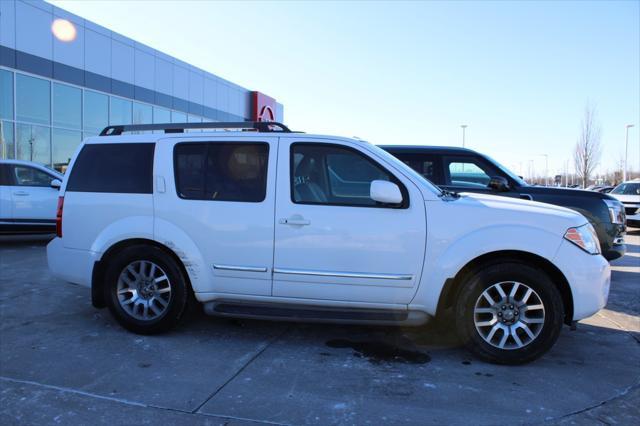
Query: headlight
[[584, 237], [616, 211]]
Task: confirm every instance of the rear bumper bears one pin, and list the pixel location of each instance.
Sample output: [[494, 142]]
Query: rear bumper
[[71, 265], [589, 277]]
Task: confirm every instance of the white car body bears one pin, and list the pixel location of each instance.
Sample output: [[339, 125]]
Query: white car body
[[277, 251], [631, 201], [27, 206]]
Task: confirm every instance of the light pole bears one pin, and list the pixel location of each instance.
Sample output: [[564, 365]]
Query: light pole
[[464, 128], [626, 151], [546, 169]]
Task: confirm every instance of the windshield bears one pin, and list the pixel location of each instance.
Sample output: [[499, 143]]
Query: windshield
[[405, 168], [627, 189], [506, 171]]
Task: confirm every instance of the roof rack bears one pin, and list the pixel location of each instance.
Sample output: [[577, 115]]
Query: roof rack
[[259, 126]]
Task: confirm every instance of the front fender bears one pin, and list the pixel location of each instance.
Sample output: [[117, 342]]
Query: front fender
[[447, 256]]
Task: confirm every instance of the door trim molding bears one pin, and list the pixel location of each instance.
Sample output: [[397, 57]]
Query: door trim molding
[[340, 274], [240, 268]]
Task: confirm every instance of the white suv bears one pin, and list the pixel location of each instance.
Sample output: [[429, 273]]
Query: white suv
[[264, 222]]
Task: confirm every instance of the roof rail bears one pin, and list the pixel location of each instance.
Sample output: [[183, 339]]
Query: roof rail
[[260, 126]]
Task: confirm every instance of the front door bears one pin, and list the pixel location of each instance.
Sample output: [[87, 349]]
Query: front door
[[32, 196], [332, 241]]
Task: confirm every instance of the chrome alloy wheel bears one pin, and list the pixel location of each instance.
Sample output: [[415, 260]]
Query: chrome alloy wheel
[[509, 315], [144, 290]]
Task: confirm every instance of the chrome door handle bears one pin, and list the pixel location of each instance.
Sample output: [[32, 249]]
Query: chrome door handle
[[20, 193], [294, 221]]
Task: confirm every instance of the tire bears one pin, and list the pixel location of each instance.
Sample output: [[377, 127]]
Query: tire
[[482, 326], [136, 283]]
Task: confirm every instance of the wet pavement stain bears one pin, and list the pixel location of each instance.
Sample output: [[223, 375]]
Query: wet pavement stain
[[378, 352]]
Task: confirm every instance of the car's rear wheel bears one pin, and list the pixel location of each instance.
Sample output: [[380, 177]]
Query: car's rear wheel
[[509, 313], [145, 289]]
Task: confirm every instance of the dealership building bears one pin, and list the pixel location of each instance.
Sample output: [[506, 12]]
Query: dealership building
[[63, 78]]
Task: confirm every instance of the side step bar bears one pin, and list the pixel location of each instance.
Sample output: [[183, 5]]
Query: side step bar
[[309, 313]]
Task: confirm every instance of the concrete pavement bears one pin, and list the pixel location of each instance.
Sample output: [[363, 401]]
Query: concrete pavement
[[64, 362]]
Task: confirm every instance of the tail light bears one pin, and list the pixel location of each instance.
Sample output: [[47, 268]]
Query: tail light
[[59, 217]]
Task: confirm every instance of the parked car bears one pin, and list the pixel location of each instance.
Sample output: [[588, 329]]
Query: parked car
[[284, 225], [28, 197], [464, 170], [629, 194]]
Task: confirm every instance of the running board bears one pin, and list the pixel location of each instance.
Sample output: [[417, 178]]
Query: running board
[[309, 313]]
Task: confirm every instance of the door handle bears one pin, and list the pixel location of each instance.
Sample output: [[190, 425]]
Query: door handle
[[20, 193], [295, 220]]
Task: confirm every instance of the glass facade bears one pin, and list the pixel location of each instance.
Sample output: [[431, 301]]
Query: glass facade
[[44, 121]]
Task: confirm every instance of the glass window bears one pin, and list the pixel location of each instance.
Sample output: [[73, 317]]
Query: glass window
[[6, 94], [33, 99], [119, 168], [178, 117], [627, 189], [7, 140], [67, 106], [64, 144], [161, 115], [120, 111], [427, 166], [96, 111], [34, 143], [142, 113], [29, 176], [468, 173], [327, 174], [222, 171], [194, 119]]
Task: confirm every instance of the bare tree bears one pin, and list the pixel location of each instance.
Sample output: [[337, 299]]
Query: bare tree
[[588, 149]]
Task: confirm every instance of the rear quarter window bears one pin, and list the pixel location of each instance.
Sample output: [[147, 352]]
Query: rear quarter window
[[117, 168]]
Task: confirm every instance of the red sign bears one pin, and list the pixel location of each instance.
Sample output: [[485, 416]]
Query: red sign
[[263, 107]]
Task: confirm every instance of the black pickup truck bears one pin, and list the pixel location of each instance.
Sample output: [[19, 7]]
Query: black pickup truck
[[464, 170]]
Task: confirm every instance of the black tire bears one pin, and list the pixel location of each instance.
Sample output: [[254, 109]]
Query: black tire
[[179, 294], [509, 271]]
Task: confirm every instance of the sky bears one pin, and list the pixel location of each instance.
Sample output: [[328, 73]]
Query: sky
[[518, 73]]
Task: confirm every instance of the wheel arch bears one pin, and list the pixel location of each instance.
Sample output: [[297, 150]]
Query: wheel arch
[[97, 276], [453, 285]]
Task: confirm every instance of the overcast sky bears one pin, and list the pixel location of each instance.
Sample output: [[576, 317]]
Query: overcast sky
[[517, 73]]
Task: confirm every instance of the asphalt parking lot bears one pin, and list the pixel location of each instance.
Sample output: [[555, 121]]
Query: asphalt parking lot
[[64, 362]]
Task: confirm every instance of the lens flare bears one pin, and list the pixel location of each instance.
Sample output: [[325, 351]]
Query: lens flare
[[63, 30]]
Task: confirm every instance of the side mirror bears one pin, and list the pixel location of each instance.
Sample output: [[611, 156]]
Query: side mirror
[[385, 192], [55, 184], [498, 183]]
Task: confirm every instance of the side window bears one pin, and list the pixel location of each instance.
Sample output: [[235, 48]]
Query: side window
[[5, 177], [28, 176], [428, 166], [113, 167], [334, 175], [221, 171], [468, 173]]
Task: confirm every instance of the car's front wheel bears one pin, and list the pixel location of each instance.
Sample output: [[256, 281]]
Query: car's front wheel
[[145, 289], [509, 313]]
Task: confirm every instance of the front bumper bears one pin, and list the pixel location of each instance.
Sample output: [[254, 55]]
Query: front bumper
[[589, 277], [71, 265]]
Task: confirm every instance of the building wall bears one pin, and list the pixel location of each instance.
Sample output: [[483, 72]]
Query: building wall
[[139, 84]]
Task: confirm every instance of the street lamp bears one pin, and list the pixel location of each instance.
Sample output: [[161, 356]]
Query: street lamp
[[464, 128], [626, 152], [546, 169]]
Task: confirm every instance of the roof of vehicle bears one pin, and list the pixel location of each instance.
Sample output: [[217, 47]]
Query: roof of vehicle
[[411, 149], [217, 134]]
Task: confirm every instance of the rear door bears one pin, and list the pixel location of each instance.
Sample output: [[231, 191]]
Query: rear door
[[221, 193], [6, 211]]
